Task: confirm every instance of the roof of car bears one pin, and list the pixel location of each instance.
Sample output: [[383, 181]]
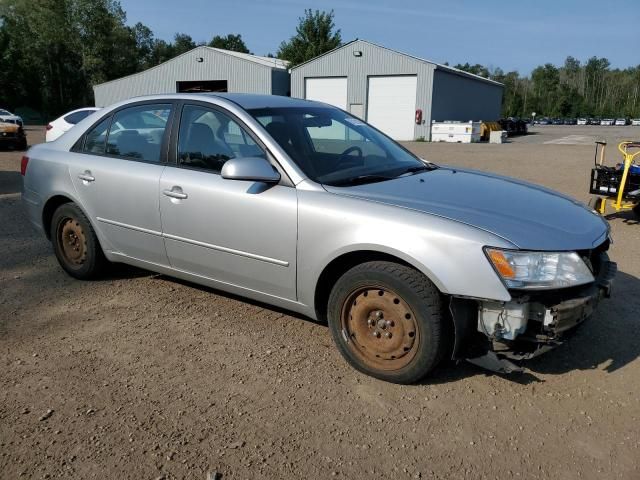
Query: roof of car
[[250, 101], [247, 101]]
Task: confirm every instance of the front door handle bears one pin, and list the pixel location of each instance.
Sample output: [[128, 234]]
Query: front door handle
[[87, 177], [175, 192]]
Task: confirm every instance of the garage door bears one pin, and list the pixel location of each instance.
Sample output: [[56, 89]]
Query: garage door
[[391, 105], [328, 90]]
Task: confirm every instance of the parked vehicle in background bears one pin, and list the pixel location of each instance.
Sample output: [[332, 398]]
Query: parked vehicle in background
[[621, 122], [544, 121], [594, 121], [12, 135], [635, 122], [7, 117], [570, 121], [557, 121], [607, 122], [66, 122], [301, 205], [514, 126], [582, 121]]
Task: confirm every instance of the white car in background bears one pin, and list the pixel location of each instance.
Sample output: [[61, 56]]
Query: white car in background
[[607, 122], [621, 122], [65, 122], [7, 117], [582, 121], [635, 122]]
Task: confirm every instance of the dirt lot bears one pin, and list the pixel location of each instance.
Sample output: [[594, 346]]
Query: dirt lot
[[148, 377]]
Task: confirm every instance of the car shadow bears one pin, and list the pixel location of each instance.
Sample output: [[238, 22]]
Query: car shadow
[[10, 182], [239, 298]]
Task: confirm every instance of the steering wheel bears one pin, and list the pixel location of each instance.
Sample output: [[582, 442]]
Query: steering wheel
[[346, 158], [350, 150]]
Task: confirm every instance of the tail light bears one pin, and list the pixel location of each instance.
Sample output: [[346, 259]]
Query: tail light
[[49, 127], [23, 165]]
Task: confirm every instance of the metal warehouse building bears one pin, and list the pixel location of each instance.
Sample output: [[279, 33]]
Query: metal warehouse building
[[203, 69], [397, 93]]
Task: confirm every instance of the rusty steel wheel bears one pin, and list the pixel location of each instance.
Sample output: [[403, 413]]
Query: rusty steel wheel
[[381, 328], [387, 321], [75, 243]]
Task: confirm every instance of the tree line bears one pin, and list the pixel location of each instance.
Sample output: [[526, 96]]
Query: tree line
[[575, 89], [52, 52]]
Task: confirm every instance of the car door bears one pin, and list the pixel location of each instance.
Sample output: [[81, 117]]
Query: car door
[[236, 232], [116, 171]]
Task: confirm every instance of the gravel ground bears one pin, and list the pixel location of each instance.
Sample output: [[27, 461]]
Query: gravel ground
[[142, 376]]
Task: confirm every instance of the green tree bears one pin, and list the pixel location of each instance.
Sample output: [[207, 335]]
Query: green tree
[[476, 69], [229, 42], [315, 35], [182, 43]]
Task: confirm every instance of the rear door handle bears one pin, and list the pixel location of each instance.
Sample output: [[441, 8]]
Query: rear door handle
[[175, 192], [87, 177]]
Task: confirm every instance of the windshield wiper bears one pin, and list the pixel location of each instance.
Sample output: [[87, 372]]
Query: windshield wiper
[[361, 179], [418, 168]]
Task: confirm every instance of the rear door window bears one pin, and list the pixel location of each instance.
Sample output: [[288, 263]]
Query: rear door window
[[137, 132]]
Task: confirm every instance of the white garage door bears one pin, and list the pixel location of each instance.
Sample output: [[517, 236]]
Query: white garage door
[[391, 105], [328, 90]]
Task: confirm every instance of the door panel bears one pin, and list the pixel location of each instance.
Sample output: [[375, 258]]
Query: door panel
[[123, 202], [237, 232], [116, 177]]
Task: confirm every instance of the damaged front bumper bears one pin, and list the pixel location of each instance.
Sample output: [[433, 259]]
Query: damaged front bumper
[[530, 324]]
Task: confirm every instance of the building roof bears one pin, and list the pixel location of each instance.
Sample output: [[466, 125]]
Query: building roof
[[439, 66], [269, 62], [266, 61]]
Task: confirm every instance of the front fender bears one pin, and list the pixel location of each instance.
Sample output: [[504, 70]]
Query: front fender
[[449, 253]]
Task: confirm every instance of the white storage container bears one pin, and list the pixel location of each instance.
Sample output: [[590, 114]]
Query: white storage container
[[497, 136], [457, 132]]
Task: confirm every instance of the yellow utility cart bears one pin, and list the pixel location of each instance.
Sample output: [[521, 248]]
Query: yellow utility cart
[[616, 188]]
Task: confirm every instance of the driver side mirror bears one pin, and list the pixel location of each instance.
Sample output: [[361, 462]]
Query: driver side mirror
[[255, 169]]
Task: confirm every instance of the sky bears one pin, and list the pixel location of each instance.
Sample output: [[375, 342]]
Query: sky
[[513, 35]]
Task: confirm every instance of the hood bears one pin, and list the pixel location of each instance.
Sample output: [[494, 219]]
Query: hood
[[529, 216]]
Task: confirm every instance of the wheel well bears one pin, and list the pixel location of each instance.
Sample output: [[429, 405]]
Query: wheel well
[[337, 268], [47, 212]]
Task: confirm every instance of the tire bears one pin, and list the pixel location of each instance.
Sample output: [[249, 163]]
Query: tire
[[75, 243], [387, 321], [595, 203]]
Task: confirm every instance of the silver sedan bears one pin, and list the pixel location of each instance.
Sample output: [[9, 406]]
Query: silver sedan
[[301, 205]]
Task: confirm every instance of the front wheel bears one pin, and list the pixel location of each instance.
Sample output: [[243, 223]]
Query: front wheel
[[387, 321], [75, 243]]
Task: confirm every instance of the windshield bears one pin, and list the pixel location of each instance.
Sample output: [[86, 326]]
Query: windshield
[[335, 148]]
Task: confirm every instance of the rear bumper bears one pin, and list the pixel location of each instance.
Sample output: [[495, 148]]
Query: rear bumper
[[33, 205]]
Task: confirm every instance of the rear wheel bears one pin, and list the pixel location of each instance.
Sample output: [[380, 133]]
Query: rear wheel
[[75, 243], [387, 321]]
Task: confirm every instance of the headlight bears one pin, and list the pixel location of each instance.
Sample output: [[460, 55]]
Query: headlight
[[539, 270]]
